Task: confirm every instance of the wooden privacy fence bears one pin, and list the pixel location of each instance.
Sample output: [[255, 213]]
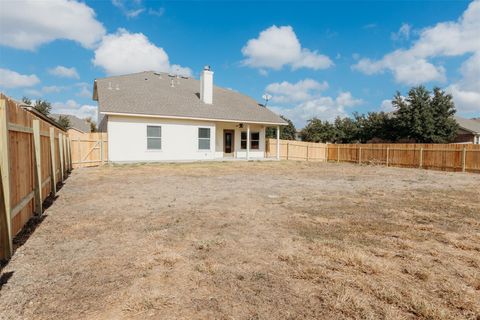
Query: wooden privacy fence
[[297, 150], [34, 158], [448, 157], [89, 149]]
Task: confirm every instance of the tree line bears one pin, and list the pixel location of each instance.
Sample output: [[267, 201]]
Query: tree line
[[422, 116], [45, 107]]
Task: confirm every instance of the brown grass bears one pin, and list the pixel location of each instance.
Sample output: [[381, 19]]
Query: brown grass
[[264, 240]]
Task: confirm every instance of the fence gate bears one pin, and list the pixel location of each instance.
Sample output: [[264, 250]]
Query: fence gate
[[89, 149]]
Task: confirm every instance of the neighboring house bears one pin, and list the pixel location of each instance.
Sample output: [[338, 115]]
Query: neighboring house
[[77, 125], [37, 113], [469, 131], [153, 116]]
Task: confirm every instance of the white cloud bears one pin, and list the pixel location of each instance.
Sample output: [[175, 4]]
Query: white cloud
[[406, 68], [12, 79], [131, 9], [386, 106], [276, 47], [308, 101], [124, 52], [411, 66], [73, 108], [403, 33], [27, 24], [284, 92], [64, 72], [52, 89], [466, 92], [32, 93], [159, 12], [85, 91]]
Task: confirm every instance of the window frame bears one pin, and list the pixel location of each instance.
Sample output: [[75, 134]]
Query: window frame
[[159, 138], [209, 139], [244, 141], [257, 140]]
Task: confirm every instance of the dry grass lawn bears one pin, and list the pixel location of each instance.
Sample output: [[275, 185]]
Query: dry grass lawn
[[263, 240]]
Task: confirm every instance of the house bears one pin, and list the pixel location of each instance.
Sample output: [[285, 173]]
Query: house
[[77, 126], [469, 130], [152, 116], [37, 113]]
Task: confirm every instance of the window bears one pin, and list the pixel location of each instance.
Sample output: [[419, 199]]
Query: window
[[254, 140], [243, 140], [154, 137], [204, 138]]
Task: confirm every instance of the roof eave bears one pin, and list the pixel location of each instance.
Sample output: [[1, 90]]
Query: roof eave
[[139, 115]]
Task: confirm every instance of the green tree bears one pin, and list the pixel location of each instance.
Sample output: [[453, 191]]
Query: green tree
[[346, 130], [375, 126], [423, 117], [443, 111], [43, 106], [93, 125], [318, 131], [287, 132], [26, 100], [64, 122]]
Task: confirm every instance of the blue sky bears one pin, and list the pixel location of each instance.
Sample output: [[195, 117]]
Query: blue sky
[[317, 58]]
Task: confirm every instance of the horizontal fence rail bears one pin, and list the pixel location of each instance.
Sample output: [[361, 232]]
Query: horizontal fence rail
[[89, 149], [34, 158], [297, 150], [447, 157]]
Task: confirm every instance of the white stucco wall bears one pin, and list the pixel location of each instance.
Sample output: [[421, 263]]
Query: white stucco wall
[[127, 139], [239, 153]]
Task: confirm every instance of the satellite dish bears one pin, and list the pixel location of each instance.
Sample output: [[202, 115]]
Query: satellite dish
[[266, 97]]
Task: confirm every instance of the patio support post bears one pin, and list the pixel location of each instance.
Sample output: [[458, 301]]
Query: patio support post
[[248, 142], [278, 142]]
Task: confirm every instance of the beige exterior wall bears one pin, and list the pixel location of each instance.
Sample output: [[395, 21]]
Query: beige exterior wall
[[127, 140], [239, 153]]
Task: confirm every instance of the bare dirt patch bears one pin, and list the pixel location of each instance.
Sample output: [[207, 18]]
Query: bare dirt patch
[[287, 240]]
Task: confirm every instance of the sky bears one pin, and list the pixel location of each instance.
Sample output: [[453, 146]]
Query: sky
[[315, 59]]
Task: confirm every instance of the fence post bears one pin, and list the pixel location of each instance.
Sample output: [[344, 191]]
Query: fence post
[[288, 149], [65, 160], [307, 152], [338, 153], [37, 147], [69, 143], [60, 153], [421, 157], [359, 155], [5, 207], [53, 166], [388, 151], [464, 158], [67, 152], [80, 156], [101, 148]]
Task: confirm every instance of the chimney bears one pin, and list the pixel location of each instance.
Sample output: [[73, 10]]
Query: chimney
[[206, 85]]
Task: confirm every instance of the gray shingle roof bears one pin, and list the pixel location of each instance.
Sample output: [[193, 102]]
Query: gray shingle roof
[[469, 124], [149, 93], [75, 122]]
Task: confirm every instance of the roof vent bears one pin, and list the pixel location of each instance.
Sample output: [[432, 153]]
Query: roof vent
[[109, 86], [172, 83], [117, 87]]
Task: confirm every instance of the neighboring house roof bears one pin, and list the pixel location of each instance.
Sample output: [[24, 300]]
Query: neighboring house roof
[[470, 125], [75, 122], [149, 93], [40, 115]]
